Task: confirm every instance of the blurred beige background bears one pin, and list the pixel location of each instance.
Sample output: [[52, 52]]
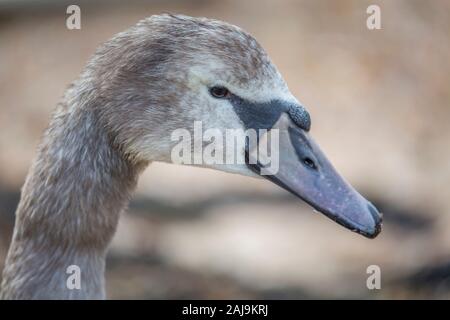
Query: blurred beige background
[[380, 104]]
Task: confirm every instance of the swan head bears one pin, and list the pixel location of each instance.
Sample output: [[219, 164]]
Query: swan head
[[171, 78]]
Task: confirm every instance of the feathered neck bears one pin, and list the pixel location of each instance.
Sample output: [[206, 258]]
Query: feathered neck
[[69, 209]]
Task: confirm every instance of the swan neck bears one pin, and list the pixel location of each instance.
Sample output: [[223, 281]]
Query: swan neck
[[69, 209]]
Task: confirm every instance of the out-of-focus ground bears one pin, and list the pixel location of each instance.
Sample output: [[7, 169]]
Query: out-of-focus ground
[[379, 101]]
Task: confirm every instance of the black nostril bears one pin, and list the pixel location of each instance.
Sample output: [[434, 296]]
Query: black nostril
[[309, 163]]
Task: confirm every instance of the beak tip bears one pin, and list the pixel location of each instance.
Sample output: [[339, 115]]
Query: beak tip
[[373, 225], [376, 231], [378, 219]]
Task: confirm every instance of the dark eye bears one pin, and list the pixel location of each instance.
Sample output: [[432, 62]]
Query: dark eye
[[219, 92]]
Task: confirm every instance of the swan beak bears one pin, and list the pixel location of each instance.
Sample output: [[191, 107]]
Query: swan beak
[[304, 170]]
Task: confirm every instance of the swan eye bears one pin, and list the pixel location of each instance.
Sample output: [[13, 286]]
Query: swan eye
[[219, 92]]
